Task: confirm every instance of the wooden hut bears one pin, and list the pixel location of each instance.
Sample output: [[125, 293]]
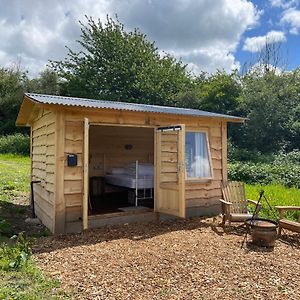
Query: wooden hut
[[103, 162]]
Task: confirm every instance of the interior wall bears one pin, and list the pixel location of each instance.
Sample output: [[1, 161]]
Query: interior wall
[[116, 146]]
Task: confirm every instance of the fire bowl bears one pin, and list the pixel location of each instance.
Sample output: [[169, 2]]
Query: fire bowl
[[263, 231]]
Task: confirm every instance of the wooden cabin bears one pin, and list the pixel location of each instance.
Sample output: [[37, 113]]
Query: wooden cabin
[[97, 163]]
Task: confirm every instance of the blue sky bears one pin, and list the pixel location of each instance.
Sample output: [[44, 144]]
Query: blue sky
[[206, 34], [279, 16]]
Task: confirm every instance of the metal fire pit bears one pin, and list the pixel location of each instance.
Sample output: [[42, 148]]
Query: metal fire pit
[[263, 231]]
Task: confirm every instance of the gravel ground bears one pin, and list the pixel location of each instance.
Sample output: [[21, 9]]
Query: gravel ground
[[195, 259]]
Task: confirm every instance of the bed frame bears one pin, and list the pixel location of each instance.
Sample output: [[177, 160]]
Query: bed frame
[[140, 193]]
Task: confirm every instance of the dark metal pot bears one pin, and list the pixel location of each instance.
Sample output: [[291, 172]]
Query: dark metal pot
[[263, 231]]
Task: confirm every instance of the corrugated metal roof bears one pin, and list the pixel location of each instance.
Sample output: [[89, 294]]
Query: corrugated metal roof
[[93, 103]]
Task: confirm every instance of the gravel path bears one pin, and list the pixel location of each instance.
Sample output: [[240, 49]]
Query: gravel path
[[182, 260]]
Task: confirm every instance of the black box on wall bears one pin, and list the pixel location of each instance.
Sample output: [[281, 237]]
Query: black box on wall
[[72, 160]]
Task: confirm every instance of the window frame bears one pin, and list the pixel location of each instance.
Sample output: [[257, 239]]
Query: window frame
[[201, 179]]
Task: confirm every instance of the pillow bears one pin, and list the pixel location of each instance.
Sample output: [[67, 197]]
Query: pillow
[[117, 171]]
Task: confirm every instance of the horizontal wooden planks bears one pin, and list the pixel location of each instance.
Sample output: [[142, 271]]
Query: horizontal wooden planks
[[43, 149], [44, 205], [73, 176], [202, 195], [73, 213]]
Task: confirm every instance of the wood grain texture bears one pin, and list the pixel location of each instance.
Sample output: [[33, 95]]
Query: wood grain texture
[[43, 165], [58, 177]]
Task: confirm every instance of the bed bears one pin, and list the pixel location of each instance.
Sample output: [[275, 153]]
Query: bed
[[137, 177]]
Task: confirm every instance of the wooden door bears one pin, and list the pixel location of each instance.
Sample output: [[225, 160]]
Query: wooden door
[[170, 170], [85, 173]]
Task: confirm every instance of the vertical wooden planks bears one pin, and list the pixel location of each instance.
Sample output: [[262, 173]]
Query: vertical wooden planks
[[60, 215], [224, 151], [181, 171], [85, 173], [170, 172], [157, 167]]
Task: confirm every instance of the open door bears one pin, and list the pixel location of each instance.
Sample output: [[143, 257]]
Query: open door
[[85, 173], [170, 170]]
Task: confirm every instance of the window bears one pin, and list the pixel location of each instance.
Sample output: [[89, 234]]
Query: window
[[197, 155]]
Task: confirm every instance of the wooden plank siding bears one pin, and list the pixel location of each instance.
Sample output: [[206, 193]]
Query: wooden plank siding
[[43, 166], [73, 176], [202, 198], [107, 150]]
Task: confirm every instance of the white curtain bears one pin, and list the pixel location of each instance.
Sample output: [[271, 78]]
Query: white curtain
[[201, 163]]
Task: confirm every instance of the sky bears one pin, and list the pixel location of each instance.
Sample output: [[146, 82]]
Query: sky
[[207, 35]]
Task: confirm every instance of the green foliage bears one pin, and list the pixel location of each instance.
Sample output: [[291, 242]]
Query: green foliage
[[12, 87], [276, 195], [20, 278], [282, 171], [244, 155], [250, 172], [271, 102], [16, 144], [119, 65], [47, 83], [29, 283], [292, 157], [17, 255], [13, 84], [217, 92]]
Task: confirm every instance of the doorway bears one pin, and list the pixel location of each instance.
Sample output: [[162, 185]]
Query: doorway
[[121, 169]]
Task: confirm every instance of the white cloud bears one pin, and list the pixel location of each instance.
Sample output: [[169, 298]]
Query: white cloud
[[291, 17], [257, 43], [283, 3], [204, 33]]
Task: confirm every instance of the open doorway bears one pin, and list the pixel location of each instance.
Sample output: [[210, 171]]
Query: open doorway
[[121, 171]]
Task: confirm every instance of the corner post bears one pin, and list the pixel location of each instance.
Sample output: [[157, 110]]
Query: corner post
[[60, 206]]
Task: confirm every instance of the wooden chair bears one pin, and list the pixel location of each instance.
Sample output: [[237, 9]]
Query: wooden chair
[[287, 224], [234, 203]]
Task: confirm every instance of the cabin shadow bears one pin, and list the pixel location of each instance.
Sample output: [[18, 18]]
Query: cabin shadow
[[133, 231], [13, 216]]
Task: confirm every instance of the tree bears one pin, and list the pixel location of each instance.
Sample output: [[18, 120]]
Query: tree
[[46, 83], [118, 65], [271, 102], [12, 87], [217, 92]]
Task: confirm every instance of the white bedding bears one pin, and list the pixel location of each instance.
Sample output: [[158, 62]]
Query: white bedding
[[129, 181]]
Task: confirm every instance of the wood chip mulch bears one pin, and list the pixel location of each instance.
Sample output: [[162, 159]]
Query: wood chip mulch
[[195, 259]]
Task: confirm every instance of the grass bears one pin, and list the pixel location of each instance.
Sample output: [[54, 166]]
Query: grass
[[20, 278], [29, 282], [276, 195], [14, 174], [14, 183]]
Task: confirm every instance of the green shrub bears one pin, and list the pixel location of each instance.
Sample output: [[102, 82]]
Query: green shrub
[[15, 256], [287, 174], [250, 172], [292, 157], [241, 154], [17, 144]]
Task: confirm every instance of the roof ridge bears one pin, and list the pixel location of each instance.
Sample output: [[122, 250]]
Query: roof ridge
[[119, 105], [113, 101]]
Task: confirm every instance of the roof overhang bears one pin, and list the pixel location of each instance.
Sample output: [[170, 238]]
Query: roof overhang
[[33, 102]]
